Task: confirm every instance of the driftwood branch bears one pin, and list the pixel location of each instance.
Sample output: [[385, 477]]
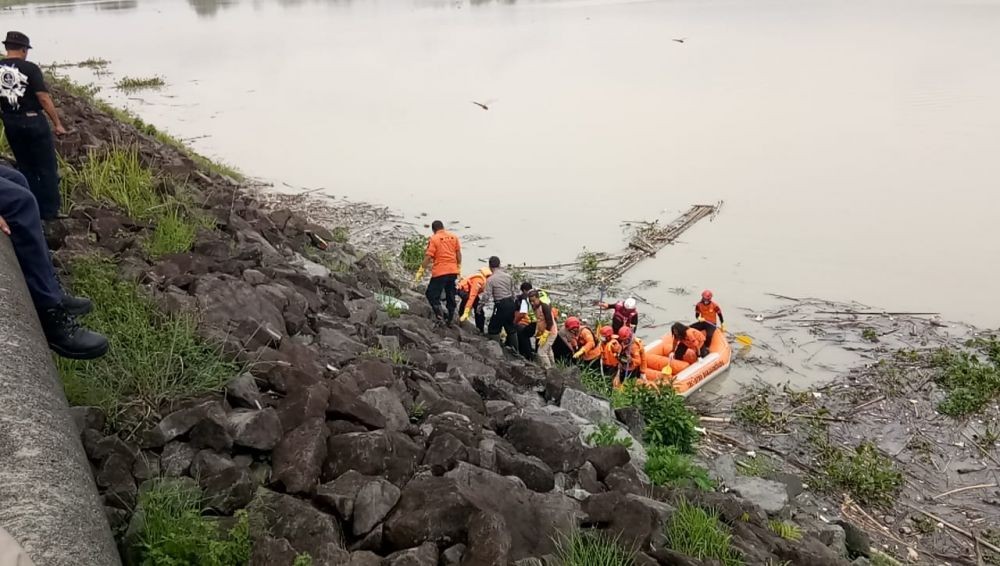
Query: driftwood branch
[[958, 530], [962, 489]]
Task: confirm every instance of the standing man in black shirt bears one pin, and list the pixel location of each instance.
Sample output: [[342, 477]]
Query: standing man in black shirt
[[23, 98]]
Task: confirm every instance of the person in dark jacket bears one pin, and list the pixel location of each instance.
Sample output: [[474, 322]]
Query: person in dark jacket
[[24, 103], [57, 311]]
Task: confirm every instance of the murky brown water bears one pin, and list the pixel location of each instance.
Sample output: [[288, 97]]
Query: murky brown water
[[854, 143]]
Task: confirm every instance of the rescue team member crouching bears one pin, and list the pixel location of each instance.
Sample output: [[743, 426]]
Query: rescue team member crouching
[[57, 311], [689, 343], [588, 350], [501, 292], [625, 314], [546, 329], [610, 350], [469, 290], [632, 357], [444, 257], [24, 102]]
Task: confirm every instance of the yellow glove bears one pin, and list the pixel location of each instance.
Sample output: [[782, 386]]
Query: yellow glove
[[578, 353], [543, 339], [419, 275], [701, 318], [667, 371], [722, 327], [465, 315]]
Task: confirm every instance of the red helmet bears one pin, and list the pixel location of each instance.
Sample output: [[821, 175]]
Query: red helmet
[[706, 295], [572, 323], [607, 331], [624, 333]]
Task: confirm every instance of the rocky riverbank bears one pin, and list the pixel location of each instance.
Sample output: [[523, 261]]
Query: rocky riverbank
[[305, 422]]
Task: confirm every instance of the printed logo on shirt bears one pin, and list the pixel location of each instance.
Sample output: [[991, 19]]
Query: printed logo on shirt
[[13, 85]]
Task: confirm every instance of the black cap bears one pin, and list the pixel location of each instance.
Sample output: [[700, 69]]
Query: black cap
[[17, 39]]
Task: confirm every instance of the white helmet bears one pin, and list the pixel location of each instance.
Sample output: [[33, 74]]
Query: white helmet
[[630, 303]]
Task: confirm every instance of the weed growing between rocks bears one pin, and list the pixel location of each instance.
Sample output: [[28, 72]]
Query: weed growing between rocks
[[668, 420], [700, 534], [595, 382], [754, 410], [787, 531], [173, 234], [174, 531], [607, 435], [666, 466], [393, 355], [756, 465], [303, 560], [132, 84], [868, 476], [971, 383], [592, 548], [413, 252], [154, 357]]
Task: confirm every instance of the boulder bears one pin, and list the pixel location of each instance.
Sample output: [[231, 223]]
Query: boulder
[[444, 453], [423, 555], [631, 417], [625, 479], [489, 541], [364, 558], [340, 493], [373, 502], [388, 404], [338, 348], [369, 374], [110, 445], [430, 509], [146, 466], [769, 495], [344, 427], [269, 551], [256, 429], [176, 458], [531, 470], [635, 520], [176, 424], [229, 490], [552, 438], [213, 431], [305, 527], [302, 404], [586, 406], [208, 463], [456, 425], [607, 458], [452, 556], [379, 453], [587, 478], [298, 458], [88, 418], [346, 403], [115, 476], [243, 392], [225, 303]]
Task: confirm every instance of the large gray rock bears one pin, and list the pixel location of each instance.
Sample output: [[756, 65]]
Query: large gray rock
[[299, 456], [489, 541], [423, 555], [176, 458], [303, 404], [770, 496], [346, 403], [339, 348], [531, 470], [388, 404], [176, 424], [229, 304], [228, 490], [373, 502], [591, 408], [340, 493], [383, 453], [551, 437], [304, 526], [635, 520], [256, 429], [243, 392], [269, 551]]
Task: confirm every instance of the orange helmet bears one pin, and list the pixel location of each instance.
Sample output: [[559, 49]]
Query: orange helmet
[[624, 333], [572, 323], [706, 295], [607, 331]]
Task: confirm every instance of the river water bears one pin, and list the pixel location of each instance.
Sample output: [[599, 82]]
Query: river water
[[856, 144]]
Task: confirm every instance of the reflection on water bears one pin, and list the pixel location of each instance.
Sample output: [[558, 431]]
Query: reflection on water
[[207, 8]]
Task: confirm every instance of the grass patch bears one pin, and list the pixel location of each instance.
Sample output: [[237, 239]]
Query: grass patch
[[924, 525], [971, 383], [154, 357], [341, 234], [666, 466], [607, 435], [303, 560], [867, 475], [869, 335], [116, 177], [668, 421], [413, 252], [175, 532], [592, 548], [882, 559], [132, 84], [754, 411], [595, 382], [417, 412], [697, 533], [787, 531], [393, 355], [757, 465], [174, 234]]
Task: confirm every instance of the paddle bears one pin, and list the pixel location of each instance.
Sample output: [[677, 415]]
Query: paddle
[[741, 338]]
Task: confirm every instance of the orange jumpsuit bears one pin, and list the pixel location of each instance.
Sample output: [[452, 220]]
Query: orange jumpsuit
[[609, 353], [693, 342], [585, 341], [711, 312]]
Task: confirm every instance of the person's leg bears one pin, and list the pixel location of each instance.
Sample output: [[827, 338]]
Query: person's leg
[[19, 208], [46, 169], [524, 336], [434, 288], [480, 316], [496, 323], [14, 176], [464, 296], [545, 356], [709, 330], [449, 294], [680, 352]]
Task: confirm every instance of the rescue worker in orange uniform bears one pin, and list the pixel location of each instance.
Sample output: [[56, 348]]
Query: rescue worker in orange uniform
[[469, 290], [444, 257], [546, 329], [689, 343], [709, 315], [587, 350], [632, 361], [610, 349]]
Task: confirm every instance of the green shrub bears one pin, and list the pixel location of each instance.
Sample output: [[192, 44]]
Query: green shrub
[[666, 466], [668, 421], [754, 411], [607, 435], [868, 476], [303, 560], [971, 383], [413, 252], [174, 234], [695, 532], [154, 358], [595, 382], [117, 177], [393, 355], [592, 548], [787, 531], [175, 533]]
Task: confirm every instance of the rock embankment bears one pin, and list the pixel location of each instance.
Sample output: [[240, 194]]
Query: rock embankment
[[355, 435]]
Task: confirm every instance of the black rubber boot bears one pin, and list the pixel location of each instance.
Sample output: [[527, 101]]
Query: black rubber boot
[[77, 306], [68, 339]]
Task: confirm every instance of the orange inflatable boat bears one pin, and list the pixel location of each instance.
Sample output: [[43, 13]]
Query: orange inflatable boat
[[686, 378]]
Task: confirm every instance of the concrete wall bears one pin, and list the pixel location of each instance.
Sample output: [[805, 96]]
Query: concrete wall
[[48, 501]]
